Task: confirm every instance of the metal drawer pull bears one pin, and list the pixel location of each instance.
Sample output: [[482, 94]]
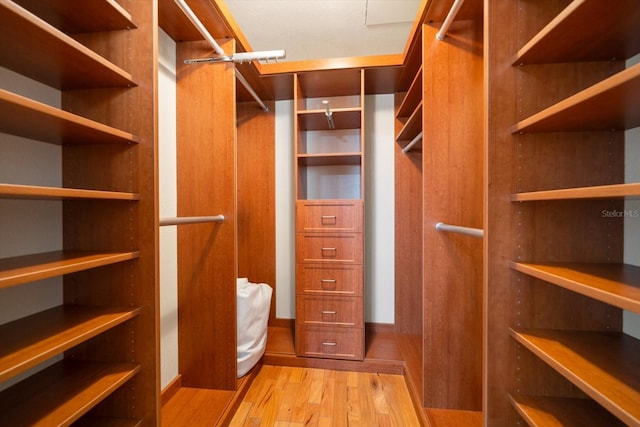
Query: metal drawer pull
[[330, 343], [328, 249], [328, 217], [329, 312], [328, 280]]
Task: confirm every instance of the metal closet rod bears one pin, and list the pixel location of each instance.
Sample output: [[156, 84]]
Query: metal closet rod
[[475, 232], [413, 142], [191, 220], [253, 93], [216, 47], [451, 16]]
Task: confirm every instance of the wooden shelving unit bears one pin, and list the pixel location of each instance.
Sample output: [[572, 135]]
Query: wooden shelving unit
[[608, 31], [344, 118], [614, 284], [329, 214], [329, 159], [566, 360], [439, 275], [54, 125], [409, 113], [583, 111], [61, 61], [83, 17], [412, 97], [107, 263], [558, 412], [63, 393], [613, 191], [28, 268], [603, 365], [62, 328], [13, 191], [408, 286], [412, 127], [344, 90]]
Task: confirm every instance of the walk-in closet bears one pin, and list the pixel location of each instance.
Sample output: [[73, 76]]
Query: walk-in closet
[[183, 215]]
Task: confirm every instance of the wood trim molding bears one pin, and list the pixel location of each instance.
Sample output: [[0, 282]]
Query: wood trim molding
[[171, 389]]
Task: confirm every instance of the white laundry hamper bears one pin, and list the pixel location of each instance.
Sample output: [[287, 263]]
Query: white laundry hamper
[[253, 304]]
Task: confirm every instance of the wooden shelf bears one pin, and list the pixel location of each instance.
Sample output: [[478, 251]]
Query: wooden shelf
[[330, 83], [18, 116], [344, 118], [29, 268], [60, 62], [81, 17], [587, 30], [33, 339], [561, 411], [62, 393], [615, 191], [413, 97], [13, 191], [89, 421], [606, 106], [605, 366], [614, 284], [329, 159], [412, 127]]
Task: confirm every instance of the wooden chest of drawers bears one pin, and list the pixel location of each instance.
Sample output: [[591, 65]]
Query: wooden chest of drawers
[[329, 279]]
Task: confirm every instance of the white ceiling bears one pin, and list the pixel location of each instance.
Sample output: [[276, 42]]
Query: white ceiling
[[314, 29]]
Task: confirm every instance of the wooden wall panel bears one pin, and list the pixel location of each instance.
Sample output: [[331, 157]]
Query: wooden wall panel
[[453, 194], [501, 114], [256, 195], [206, 174], [408, 280]]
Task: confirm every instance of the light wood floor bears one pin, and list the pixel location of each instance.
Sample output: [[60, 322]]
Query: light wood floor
[[282, 396]]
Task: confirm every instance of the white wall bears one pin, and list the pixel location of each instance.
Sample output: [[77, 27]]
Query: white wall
[[632, 213], [285, 212], [29, 226], [379, 215], [380, 209], [167, 208], [632, 220]]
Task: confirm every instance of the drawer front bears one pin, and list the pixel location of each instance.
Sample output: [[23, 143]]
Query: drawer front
[[340, 280], [329, 248], [328, 342], [314, 216], [330, 311]]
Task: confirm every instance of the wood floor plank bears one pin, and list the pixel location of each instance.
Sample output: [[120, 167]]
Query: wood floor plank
[[402, 409], [317, 384], [328, 395], [340, 407], [367, 410], [263, 400], [354, 409], [271, 409], [378, 393], [295, 397], [241, 415]]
